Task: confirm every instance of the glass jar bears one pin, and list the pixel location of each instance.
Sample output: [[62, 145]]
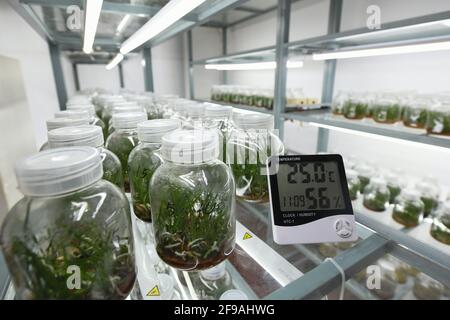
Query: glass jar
[[60, 123], [355, 108], [93, 119], [438, 120], [213, 282], [429, 194], [194, 115], [132, 108], [70, 236], [89, 136], [218, 117], [408, 209], [365, 173], [415, 114], [386, 111], [388, 283], [250, 143], [192, 202], [440, 228], [426, 288], [123, 140], [144, 160], [376, 195], [354, 185], [109, 110], [338, 103], [395, 185]]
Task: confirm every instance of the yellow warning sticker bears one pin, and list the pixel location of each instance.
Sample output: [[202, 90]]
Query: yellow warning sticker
[[154, 292], [247, 236]]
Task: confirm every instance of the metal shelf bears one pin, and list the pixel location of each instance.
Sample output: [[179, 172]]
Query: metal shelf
[[326, 120], [239, 106]]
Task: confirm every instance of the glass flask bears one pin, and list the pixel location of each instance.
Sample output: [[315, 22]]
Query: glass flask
[[218, 117], [395, 185], [365, 173], [93, 119], [429, 193], [250, 143], [123, 140], [70, 236], [89, 136], [60, 123], [440, 228], [213, 282], [408, 209], [376, 195], [415, 114], [438, 120], [386, 111], [426, 288], [354, 185], [144, 160], [192, 202], [355, 108]]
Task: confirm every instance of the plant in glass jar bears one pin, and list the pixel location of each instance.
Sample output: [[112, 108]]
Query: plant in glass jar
[[93, 119], [218, 117], [70, 236], [365, 173], [429, 194], [376, 195], [144, 160], [250, 143], [354, 185], [440, 228], [408, 209], [415, 115], [395, 185], [192, 202], [355, 108], [386, 111], [426, 288], [90, 136], [438, 120], [123, 140]]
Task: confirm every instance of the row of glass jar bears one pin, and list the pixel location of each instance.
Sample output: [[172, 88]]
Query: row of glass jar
[[432, 114], [410, 204]]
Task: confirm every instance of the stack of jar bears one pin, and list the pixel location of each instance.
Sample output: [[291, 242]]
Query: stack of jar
[[431, 113]]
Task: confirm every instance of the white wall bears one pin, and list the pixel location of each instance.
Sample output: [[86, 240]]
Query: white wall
[[20, 41], [96, 75], [133, 73]]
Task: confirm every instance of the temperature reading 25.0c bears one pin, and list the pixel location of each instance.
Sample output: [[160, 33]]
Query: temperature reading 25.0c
[[302, 173]]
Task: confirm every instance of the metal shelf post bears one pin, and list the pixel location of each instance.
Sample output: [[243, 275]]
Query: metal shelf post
[[148, 70], [55, 58], [191, 66]]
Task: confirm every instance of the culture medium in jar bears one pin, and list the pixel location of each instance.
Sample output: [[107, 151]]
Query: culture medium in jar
[[376, 195], [251, 142], [123, 140], [192, 202], [440, 228], [60, 123], [408, 209], [90, 136], [69, 223], [354, 185], [144, 160]]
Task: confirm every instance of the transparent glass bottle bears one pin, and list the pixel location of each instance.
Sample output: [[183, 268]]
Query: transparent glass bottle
[[123, 140], [93, 119], [355, 108], [429, 193], [60, 123], [365, 173], [376, 195], [70, 236], [338, 103], [89, 136], [426, 288], [213, 282], [440, 228], [386, 111], [194, 115], [218, 117], [192, 202], [354, 185], [438, 120], [144, 160], [395, 184], [415, 114], [250, 143], [408, 209]]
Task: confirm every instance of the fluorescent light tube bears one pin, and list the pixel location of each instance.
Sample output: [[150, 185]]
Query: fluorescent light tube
[[447, 23], [424, 47], [123, 23], [92, 14], [269, 65], [114, 62], [164, 18]]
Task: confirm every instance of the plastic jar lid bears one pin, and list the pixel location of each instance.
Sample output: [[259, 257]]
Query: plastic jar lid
[[253, 120], [233, 294], [351, 174], [410, 194], [89, 108], [190, 146], [154, 130], [128, 120], [195, 110], [217, 111], [78, 100], [73, 114], [90, 136], [65, 122], [127, 109], [214, 273], [58, 171]]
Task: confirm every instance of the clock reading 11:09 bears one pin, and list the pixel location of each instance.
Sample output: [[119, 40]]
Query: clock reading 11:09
[[307, 186]]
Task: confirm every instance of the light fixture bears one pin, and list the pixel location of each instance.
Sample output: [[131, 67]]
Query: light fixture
[[114, 62], [92, 14], [413, 48], [123, 23], [269, 65], [164, 18], [447, 23]]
